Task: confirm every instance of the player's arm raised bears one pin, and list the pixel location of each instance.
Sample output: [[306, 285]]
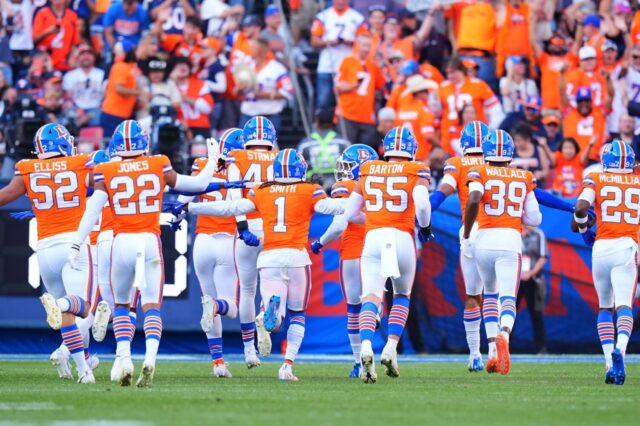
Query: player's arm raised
[[225, 208], [14, 190]]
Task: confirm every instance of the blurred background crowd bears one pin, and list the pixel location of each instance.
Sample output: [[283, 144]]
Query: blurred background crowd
[[562, 76]]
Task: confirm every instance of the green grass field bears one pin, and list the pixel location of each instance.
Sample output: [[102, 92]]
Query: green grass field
[[432, 393]]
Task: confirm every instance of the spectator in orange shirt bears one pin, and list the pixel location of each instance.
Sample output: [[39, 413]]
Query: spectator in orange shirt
[[610, 62], [121, 93], [197, 102], [551, 62], [569, 163], [186, 44], [357, 80], [592, 35], [585, 123], [55, 29], [586, 75], [475, 38], [414, 114], [513, 36]]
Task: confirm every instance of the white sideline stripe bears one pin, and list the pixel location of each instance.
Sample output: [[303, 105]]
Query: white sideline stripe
[[29, 406], [425, 359]]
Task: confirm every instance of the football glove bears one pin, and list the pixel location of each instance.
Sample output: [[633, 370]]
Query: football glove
[[316, 247]]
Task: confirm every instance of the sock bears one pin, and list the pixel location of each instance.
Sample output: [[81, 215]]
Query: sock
[[353, 331], [490, 316], [152, 334], [368, 318], [84, 325], [398, 315], [507, 312], [133, 317], [122, 330], [72, 339], [215, 348], [606, 333], [295, 334], [222, 306], [87, 354], [624, 324], [248, 330], [71, 304], [472, 318]]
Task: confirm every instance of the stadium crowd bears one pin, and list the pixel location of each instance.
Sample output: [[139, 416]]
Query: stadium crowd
[[561, 76]]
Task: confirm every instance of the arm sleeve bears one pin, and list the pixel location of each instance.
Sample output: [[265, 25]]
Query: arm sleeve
[[330, 206], [337, 227], [423, 206], [436, 199], [233, 173], [91, 215], [223, 208], [588, 195], [185, 199], [549, 200], [476, 186], [353, 208], [531, 215], [196, 183]]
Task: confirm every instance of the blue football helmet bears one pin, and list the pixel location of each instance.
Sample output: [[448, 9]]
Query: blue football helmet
[[472, 136], [100, 157], [618, 157], [230, 140], [129, 140], [349, 162], [289, 166], [51, 140], [259, 131], [399, 142], [498, 146]]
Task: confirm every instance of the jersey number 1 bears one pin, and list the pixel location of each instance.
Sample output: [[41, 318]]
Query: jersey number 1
[[280, 225]]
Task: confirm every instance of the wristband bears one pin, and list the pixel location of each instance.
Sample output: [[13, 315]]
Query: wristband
[[581, 220]]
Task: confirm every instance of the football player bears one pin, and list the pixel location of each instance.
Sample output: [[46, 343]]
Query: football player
[[347, 174], [286, 206], [392, 194], [213, 257], [253, 164], [500, 199], [56, 183], [455, 179], [615, 194], [133, 187]]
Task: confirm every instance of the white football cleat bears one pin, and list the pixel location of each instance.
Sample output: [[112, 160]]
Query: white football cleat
[[54, 314], [368, 374], [101, 321], [208, 313], [389, 359], [126, 371], [251, 358], [264, 337], [116, 370], [222, 371], [86, 378], [93, 362], [285, 374], [146, 376], [60, 359]]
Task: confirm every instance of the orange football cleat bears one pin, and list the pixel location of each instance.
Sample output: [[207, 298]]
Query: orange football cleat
[[492, 365], [504, 360]]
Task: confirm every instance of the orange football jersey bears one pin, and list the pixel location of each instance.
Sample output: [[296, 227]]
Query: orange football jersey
[[387, 189], [458, 168], [213, 224], [353, 237], [286, 211], [57, 188], [577, 78], [505, 190], [135, 188], [255, 167], [617, 204]]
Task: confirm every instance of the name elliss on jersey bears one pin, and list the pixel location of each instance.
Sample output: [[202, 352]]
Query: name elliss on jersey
[[50, 166], [137, 166]]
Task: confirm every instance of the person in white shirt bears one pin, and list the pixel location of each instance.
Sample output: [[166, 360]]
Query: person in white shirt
[[83, 85], [272, 90], [219, 18], [515, 87], [333, 31]]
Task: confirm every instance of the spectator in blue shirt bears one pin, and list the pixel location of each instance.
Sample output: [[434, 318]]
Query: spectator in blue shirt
[[125, 20]]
